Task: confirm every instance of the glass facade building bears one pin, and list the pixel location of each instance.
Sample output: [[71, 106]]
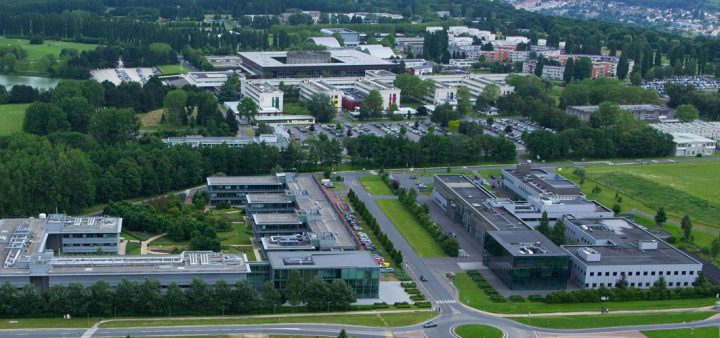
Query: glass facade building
[[364, 281], [526, 272]]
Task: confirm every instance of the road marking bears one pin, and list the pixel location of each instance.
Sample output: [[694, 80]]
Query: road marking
[[446, 301]]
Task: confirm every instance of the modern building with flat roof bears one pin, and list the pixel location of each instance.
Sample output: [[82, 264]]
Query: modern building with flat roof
[[350, 37], [310, 88], [311, 64], [549, 192], [195, 141], [687, 144], [614, 251], [521, 257], [232, 189], [641, 112], [206, 79], [709, 130], [269, 100]]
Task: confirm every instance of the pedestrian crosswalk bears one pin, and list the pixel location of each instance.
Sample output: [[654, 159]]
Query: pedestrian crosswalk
[[446, 301]]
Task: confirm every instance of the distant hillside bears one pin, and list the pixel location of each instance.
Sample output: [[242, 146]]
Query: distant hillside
[[689, 4]]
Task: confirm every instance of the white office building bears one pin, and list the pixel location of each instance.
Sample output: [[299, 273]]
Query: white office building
[[709, 130], [687, 144], [206, 79], [442, 94], [390, 94], [614, 251], [311, 87], [268, 99]]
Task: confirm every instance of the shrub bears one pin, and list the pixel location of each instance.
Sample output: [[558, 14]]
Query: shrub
[[535, 298], [516, 298], [417, 297], [497, 299], [423, 304]]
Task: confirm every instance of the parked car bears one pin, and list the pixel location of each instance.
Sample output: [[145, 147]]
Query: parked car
[[430, 324]]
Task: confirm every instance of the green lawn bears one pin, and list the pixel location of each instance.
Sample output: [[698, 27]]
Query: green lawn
[[35, 52], [472, 295], [37, 323], [610, 320], [377, 320], [132, 248], [11, 118], [703, 332], [478, 331], [420, 240], [682, 188], [374, 185], [173, 69], [295, 108]]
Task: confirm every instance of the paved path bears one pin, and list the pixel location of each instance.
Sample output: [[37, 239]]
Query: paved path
[[144, 244]]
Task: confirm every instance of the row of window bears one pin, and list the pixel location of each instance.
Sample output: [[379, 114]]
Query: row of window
[[644, 273], [632, 285], [89, 244], [90, 235]]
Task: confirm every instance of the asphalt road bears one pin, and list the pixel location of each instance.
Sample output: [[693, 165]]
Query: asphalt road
[[437, 288]]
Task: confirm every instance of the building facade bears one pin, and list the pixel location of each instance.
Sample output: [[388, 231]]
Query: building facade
[[233, 189], [269, 100]]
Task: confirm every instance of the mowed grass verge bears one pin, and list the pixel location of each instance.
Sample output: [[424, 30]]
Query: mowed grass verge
[[610, 320], [36, 52], [376, 320], [478, 331], [702, 332], [418, 238], [374, 185], [173, 69], [12, 117], [472, 295]]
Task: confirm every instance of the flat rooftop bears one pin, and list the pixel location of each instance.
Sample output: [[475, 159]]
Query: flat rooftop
[[242, 180], [276, 218], [617, 240], [268, 198], [321, 259], [347, 57], [480, 200], [528, 243], [68, 224], [537, 179], [628, 107], [262, 87]]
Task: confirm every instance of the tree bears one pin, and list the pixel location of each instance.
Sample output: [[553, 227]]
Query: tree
[[544, 227], [318, 294], [114, 126], [623, 67], [230, 89], [660, 217], [686, 225], [247, 109], [320, 106], [569, 71], [464, 106], [264, 128], [558, 232], [539, 66], [270, 295], [294, 290], [582, 69], [343, 334], [174, 103], [636, 79], [342, 294], [714, 247], [44, 118], [686, 112], [374, 102]]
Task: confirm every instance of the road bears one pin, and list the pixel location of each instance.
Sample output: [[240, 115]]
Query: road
[[438, 290]]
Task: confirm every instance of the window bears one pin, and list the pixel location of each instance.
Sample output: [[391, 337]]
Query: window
[[594, 285], [592, 274], [676, 273], [660, 273], [685, 284], [692, 272], [587, 285], [645, 273], [607, 273], [670, 284], [647, 284], [630, 273], [632, 285], [614, 273], [684, 273], [652, 273]]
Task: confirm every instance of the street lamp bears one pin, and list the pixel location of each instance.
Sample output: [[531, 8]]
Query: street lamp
[[328, 305]]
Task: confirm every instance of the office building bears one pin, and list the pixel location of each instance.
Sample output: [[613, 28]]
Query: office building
[[614, 251], [413, 45], [543, 191], [195, 141], [378, 51], [709, 130], [442, 94], [269, 100], [326, 41], [310, 88], [224, 62], [311, 64], [693, 145], [641, 112], [521, 257], [350, 37], [232, 189], [79, 235], [205, 79], [390, 94], [497, 55]]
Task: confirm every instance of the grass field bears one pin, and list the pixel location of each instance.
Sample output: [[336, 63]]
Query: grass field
[[35, 52], [610, 320], [374, 185], [36, 323], [295, 108], [472, 295], [11, 117], [132, 248], [418, 238], [173, 69], [681, 188], [703, 332], [478, 331], [377, 320], [239, 238]]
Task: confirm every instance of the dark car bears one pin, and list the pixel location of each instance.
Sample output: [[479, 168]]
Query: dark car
[[422, 278], [430, 324]]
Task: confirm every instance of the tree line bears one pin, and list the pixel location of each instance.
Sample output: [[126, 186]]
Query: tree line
[[370, 221], [150, 298], [449, 244], [430, 150]]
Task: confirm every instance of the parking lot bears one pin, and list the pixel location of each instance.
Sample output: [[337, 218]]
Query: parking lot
[[412, 130], [119, 75]]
